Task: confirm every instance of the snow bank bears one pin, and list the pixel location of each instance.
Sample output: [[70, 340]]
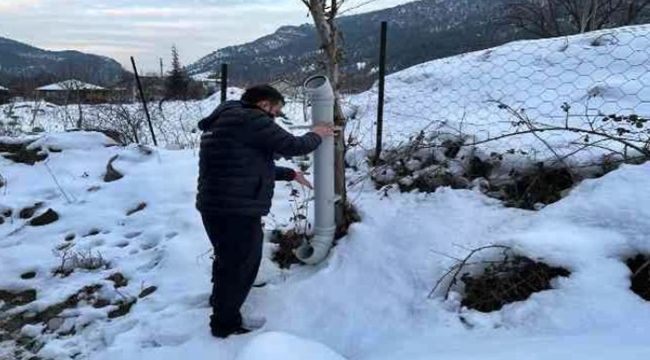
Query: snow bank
[[82, 140], [281, 346]]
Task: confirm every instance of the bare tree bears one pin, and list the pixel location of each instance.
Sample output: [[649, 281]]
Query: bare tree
[[549, 18], [324, 14]]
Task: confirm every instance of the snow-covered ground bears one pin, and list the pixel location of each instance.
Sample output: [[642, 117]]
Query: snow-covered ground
[[602, 72], [368, 300]]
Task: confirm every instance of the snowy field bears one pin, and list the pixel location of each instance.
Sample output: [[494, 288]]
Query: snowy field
[[369, 299]]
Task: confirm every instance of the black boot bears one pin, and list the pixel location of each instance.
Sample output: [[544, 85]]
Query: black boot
[[223, 332]]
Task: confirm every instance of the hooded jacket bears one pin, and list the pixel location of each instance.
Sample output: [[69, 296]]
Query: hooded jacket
[[237, 173]]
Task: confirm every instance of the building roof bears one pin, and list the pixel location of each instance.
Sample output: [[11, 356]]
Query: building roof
[[71, 84]]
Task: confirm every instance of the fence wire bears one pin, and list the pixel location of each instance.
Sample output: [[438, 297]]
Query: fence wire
[[598, 82]]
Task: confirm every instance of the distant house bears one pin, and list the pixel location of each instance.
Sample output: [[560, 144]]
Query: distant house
[[4, 95], [74, 91]]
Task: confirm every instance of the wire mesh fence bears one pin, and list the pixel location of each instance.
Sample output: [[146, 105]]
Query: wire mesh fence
[[574, 98]]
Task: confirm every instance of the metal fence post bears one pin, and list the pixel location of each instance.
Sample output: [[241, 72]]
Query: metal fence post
[[380, 97], [144, 101], [224, 81]]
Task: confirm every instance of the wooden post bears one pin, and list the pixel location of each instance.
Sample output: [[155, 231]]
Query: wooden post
[[380, 97], [144, 101]]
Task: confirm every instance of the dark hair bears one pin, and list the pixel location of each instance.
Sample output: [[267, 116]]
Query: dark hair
[[258, 93]]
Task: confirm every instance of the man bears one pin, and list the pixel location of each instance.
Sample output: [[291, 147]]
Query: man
[[235, 188]]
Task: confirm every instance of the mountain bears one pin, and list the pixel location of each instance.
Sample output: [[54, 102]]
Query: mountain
[[418, 31], [20, 62]]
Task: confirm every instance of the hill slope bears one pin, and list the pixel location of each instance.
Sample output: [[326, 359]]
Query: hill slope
[[418, 31], [20, 62]]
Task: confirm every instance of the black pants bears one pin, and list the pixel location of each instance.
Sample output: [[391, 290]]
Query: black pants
[[237, 242]]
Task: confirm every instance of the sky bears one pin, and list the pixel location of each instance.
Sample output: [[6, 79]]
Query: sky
[[146, 29]]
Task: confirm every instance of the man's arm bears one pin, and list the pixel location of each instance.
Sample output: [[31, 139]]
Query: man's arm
[[284, 174], [264, 133]]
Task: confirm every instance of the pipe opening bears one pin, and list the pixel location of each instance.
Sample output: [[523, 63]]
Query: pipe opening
[[305, 251], [315, 82]]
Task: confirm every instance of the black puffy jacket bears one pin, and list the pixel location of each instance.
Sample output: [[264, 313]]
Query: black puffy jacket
[[237, 173]]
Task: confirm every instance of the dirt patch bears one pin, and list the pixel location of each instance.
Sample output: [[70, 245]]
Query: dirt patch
[[499, 277], [111, 173], [13, 299], [18, 152], [92, 232], [287, 242], [544, 186], [46, 218], [507, 281], [119, 280], [29, 211], [147, 291], [28, 275], [141, 206], [640, 279], [123, 308], [10, 325]]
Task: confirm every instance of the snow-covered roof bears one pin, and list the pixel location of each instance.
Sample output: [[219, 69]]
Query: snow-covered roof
[[2, 88], [72, 84]]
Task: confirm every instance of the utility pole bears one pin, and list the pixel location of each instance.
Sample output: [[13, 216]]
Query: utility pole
[[161, 68]]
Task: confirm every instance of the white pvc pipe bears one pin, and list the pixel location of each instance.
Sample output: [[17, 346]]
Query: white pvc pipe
[[321, 95]]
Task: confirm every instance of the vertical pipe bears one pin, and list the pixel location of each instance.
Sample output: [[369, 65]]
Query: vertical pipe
[[224, 81], [144, 101], [321, 96], [380, 97]]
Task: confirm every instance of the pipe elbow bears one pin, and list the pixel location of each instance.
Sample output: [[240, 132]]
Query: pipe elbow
[[317, 249]]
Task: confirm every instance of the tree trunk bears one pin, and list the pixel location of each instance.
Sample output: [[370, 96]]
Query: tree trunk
[[328, 36]]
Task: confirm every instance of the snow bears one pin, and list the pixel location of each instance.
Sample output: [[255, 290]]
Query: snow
[[71, 140], [369, 299], [72, 84], [600, 72], [280, 346], [2, 88]]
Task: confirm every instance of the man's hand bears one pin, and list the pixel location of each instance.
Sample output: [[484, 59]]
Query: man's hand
[[302, 180], [323, 130]]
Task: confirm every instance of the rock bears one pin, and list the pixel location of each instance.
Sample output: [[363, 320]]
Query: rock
[[123, 308], [92, 232], [460, 182], [46, 218], [29, 211], [413, 165], [119, 280], [111, 173], [148, 291], [140, 207], [28, 275], [70, 237], [55, 323]]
